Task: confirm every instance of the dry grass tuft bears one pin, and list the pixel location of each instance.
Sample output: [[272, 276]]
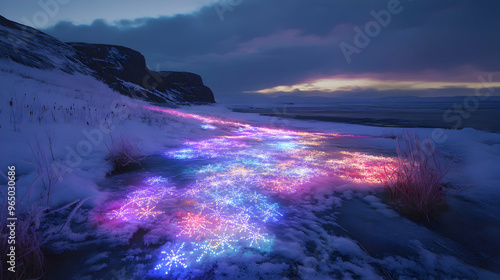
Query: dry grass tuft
[[124, 155], [415, 184], [31, 209]]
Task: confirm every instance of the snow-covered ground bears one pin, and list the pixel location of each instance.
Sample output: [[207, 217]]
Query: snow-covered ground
[[235, 195]]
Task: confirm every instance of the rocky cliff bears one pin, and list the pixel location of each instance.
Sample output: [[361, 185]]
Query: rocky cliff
[[122, 69]]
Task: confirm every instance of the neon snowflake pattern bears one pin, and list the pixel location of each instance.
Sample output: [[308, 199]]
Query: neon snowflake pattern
[[230, 203], [194, 225], [174, 259]]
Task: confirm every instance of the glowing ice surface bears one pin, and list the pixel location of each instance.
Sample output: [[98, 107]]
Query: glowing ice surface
[[231, 202]]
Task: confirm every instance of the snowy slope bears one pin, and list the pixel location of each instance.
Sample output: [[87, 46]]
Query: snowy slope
[[30, 47], [42, 104]]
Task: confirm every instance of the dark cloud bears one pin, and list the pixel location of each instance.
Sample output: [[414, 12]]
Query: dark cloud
[[265, 43]]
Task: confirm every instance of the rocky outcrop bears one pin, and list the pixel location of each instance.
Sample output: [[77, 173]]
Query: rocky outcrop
[[121, 68], [188, 84], [125, 70]]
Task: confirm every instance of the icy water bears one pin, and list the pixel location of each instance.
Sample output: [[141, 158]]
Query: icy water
[[254, 202], [425, 112]]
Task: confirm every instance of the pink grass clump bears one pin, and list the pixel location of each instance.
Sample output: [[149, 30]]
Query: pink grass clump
[[415, 182]]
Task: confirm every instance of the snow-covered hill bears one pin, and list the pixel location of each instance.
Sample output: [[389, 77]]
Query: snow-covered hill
[[27, 46], [121, 69]]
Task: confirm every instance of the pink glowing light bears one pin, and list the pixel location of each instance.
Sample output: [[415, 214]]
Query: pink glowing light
[[362, 168], [139, 205], [121, 214], [194, 225], [148, 212], [268, 131]]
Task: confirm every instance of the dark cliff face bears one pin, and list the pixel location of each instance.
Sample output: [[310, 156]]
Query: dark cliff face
[[125, 70], [120, 62], [121, 68], [189, 84]]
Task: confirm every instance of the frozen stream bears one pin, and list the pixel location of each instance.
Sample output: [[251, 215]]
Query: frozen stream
[[256, 202]]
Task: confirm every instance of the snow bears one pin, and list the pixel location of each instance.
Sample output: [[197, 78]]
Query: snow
[[331, 228], [24, 44], [115, 57], [84, 107]]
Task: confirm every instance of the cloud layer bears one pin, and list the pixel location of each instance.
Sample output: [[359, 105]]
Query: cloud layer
[[250, 45]]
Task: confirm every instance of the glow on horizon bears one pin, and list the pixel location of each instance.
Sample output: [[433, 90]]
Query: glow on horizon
[[351, 84]]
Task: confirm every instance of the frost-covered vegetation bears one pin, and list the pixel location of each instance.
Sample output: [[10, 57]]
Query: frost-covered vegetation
[[416, 181]]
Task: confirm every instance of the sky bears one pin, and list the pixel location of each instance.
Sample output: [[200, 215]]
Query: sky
[[329, 48]]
